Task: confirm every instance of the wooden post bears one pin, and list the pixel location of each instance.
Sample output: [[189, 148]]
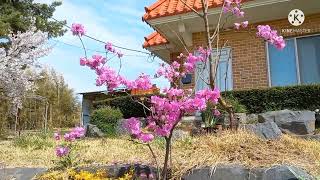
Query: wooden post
[[46, 118]]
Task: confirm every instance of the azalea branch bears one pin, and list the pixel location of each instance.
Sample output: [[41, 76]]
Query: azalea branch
[[155, 159], [181, 40], [218, 25], [191, 8], [84, 48], [138, 101]]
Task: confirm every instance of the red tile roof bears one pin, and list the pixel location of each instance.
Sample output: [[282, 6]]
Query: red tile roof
[[163, 8], [154, 39]]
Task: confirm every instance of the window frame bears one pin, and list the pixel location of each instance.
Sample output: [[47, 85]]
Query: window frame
[[228, 61], [296, 57]]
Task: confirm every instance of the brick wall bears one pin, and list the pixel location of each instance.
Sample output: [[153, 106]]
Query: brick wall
[[249, 64]]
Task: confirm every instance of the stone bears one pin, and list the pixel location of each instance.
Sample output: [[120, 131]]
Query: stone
[[267, 130], [252, 119], [21, 173], [295, 122], [119, 170], [120, 130], [313, 137], [179, 134], [238, 172], [221, 172], [241, 117], [284, 172], [93, 131]]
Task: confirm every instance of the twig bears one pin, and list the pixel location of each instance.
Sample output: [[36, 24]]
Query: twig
[[191, 8], [84, 48], [138, 102], [155, 160], [218, 25], [182, 42]]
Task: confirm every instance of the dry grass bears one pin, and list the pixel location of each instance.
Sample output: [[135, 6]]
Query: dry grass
[[239, 148]]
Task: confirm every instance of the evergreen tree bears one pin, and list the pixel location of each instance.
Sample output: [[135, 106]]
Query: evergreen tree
[[19, 15]]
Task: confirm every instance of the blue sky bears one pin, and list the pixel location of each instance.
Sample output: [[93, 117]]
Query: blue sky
[[117, 21]]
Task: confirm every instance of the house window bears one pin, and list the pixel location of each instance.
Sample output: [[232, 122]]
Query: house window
[[297, 63], [224, 72]]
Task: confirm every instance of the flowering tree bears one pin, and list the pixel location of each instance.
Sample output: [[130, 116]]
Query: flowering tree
[[167, 111], [230, 8], [15, 62]]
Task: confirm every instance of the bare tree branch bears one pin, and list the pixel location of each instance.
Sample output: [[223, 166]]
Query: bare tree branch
[[191, 8], [218, 25], [181, 40]]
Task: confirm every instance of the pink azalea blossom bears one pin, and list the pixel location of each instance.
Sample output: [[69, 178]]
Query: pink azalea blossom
[[210, 95], [145, 137], [83, 61], [78, 132], [244, 24], [62, 151], [119, 54], [109, 47], [173, 92], [132, 125], [237, 25], [265, 32], [216, 112], [57, 136], [77, 29], [241, 14], [69, 137], [228, 3]]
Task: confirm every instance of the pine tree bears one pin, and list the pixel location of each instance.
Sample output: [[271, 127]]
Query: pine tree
[[20, 15]]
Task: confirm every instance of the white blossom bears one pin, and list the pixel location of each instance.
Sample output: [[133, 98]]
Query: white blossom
[[16, 61]]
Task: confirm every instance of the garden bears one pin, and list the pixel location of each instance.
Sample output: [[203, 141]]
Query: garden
[[270, 133]]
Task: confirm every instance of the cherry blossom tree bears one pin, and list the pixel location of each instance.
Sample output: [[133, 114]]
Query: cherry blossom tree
[[16, 60]]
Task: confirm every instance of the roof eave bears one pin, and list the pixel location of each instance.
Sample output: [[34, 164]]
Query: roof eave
[[212, 11]]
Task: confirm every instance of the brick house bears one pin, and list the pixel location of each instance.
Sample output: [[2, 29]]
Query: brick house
[[246, 62]]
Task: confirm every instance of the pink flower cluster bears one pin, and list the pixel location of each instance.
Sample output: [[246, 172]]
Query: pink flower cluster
[[233, 6], [142, 82], [209, 95], [77, 29], [109, 48], [192, 60], [243, 24], [62, 151], [265, 32], [110, 78], [167, 111], [133, 126], [93, 63], [75, 133], [175, 70], [169, 71]]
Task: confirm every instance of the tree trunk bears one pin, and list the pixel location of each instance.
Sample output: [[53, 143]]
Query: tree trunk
[[166, 160]]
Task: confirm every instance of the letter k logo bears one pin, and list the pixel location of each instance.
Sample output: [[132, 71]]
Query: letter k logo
[[296, 17]]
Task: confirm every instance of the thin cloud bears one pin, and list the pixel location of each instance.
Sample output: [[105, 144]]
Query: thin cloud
[[100, 24]]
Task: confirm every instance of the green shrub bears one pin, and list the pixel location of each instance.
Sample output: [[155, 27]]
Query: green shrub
[[127, 105], [303, 97], [237, 106], [106, 119], [36, 141], [207, 116]]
